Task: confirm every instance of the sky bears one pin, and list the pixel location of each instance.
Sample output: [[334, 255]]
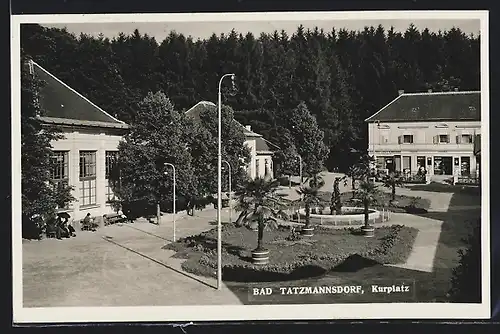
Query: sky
[[203, 30]]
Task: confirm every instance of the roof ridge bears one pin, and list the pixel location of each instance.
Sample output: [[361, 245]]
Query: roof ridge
[[200, 103], [388, 104], [77, 93], [443, 93]]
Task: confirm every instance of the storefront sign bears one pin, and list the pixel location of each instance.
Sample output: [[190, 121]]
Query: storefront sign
[[386, 152]]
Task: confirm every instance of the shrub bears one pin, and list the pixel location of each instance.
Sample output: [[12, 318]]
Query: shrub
[[466, 279], [396, 246]]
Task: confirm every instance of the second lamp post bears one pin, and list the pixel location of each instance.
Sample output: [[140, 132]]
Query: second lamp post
[[173, 197]]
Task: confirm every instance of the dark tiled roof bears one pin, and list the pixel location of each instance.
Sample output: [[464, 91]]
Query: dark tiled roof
[[443, 106], [61, 102], [261, 145], [477, 145]]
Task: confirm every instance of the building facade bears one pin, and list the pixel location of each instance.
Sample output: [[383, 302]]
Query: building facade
[[261, 156], [435, 132], [85, 155]]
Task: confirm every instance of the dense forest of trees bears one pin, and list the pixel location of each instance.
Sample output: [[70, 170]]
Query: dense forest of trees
[[342, 77]]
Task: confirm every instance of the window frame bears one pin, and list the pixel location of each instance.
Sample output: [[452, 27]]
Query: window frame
[[466, 135], [110, 157], [88, 175], [410, 136], [447, 141], [63, 169]]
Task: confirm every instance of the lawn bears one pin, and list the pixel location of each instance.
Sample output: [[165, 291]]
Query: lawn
[[290, 259]]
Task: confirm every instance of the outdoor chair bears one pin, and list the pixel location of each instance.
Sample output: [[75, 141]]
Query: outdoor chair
[[51, 231]]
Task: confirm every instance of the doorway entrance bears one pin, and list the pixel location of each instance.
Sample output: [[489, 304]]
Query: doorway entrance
[[465, 166], [389, 164], [443, 165]]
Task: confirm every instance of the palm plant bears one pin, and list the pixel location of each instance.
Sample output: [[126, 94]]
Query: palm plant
[[263, 206], [310, 196], [391, 181], [367, 192]]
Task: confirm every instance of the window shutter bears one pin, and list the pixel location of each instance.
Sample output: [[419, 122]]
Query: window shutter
[[434, 140], [458, 139], [447, 139], [400, 139]]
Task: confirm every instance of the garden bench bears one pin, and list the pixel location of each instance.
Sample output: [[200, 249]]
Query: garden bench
[[90, 226], [113, 219]]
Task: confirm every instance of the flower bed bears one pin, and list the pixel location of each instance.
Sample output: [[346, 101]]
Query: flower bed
[[349, 216], [289, 259]]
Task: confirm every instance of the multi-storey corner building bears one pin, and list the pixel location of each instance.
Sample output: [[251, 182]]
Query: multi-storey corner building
[[439, 131]]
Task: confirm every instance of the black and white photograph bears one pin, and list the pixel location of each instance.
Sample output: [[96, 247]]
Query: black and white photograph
[[250, 166]]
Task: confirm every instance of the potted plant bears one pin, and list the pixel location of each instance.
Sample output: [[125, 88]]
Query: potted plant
[[265, 207], [367, 193], [309, 195], [391, 181]]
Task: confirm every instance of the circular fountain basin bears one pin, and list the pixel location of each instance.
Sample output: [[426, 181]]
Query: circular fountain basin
[[351, 216]]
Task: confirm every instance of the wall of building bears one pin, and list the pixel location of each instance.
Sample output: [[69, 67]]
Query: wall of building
[[77, 140], [250, 143], [386, 140], [261, 168], [257, 164]]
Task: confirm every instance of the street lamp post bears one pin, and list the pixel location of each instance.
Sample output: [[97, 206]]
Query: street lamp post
[[229, 176], [300, 168], [173, 197], [219, 185]]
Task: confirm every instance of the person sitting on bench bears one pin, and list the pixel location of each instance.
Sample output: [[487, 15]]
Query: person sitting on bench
[[62, 230], [67, 227], [88, 222]]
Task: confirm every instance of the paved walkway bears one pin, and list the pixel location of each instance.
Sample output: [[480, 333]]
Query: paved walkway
[[125, 265], [427, 241], [119, 265]]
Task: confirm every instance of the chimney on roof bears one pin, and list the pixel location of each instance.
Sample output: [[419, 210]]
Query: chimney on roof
[[401, 92], [248, 127], [429, 91], [456, 89]]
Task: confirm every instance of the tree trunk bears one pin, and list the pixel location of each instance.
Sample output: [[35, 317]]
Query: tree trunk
[[260, 235], [366, 213], [308, 215], [158, 213], [393, 192]]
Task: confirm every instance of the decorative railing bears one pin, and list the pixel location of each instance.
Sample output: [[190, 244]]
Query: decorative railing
[[413, 178], [468, 180]]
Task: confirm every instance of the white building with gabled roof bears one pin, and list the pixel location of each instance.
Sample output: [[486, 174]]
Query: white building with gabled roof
[[261, 162], [88, 150]]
